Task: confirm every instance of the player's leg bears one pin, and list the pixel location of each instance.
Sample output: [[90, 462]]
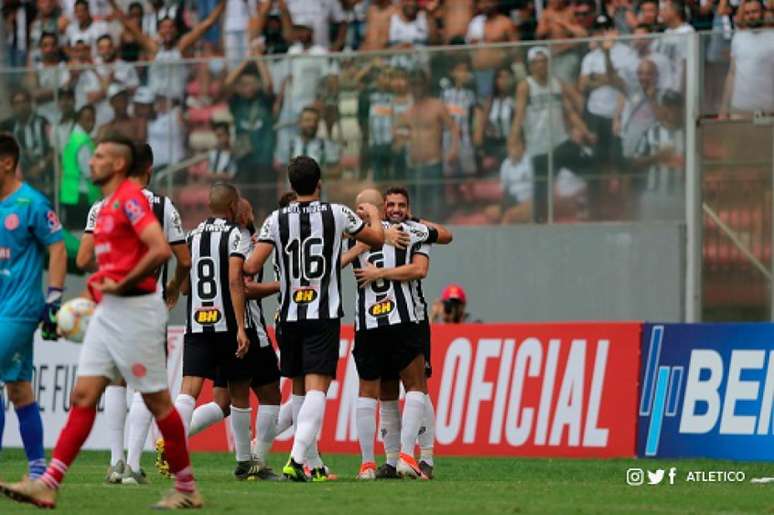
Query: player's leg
[[139, 423], [115, 414], [426, 437], [212, 412], [413, 414], [16, 372], [389, 417], [265, 384], [238, 373], [369, 360]]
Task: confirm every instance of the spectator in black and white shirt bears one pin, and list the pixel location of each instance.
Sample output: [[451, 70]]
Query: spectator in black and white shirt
[[307, 143], [221, 165]]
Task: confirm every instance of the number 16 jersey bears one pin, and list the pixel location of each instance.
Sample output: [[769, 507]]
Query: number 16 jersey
[[307, 238]]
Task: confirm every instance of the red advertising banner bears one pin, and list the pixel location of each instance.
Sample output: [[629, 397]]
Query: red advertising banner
[[506, 389]]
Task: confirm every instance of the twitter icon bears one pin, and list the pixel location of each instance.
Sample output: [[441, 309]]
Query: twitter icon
[[655, 478]]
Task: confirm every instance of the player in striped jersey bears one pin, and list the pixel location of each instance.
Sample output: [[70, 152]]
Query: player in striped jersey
[[397, 211], [265, 379], [130, 471], [306, 237], [218, 339], [386, 336]]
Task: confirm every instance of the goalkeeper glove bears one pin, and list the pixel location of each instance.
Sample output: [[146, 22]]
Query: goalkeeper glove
[[48, 318]]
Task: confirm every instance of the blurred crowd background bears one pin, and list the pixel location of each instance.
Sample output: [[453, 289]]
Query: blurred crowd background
[[491, 112]]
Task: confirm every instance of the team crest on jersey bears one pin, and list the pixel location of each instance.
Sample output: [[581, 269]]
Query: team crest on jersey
[[11, 222], [133, 210], [304, 295], [207, 316], [382, 308], [54, 224], [5, 253]]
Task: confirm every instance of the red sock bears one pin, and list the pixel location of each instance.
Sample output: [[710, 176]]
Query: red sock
[[176, 450], [74, 433]]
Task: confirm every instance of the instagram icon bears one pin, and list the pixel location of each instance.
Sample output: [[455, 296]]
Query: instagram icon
[[634, 477]]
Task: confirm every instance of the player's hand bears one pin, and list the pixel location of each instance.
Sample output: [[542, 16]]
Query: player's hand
[[395, 236], [172, 294], [108, 286], [367, 275], [48, 325], [243, 344]]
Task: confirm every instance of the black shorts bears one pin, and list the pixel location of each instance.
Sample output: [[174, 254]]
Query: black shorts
[[309, 347], [382, 352], [425, 338], [265, 368], [212, 355]]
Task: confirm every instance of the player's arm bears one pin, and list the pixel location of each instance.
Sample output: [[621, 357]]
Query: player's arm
[[182, 268], [85, 257], [236, 287], [158, 252], [198, 30], [257, 291], [257, 259], [350, 255], [417, 269], [371, 233], [444, 235]]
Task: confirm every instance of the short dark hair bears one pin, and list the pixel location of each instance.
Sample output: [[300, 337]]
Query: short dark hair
[[81, 2], [9, 147], [679, 7], [116, 138], [250, 69], [143, 158], [287, 198], [105, 36], [87, 107], [66, 92], [310, 109], [304, 174], [136, 5], [221, 126], [398, 190], [46, 34]]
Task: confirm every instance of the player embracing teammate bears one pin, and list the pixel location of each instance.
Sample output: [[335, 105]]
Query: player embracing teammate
[[392, 340]]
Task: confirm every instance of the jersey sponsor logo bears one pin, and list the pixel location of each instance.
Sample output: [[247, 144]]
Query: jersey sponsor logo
[[102, 248], [5, 253], [134, 211], [382, 308], [207, 316], [54, 224], [304, 295], [11, 222]]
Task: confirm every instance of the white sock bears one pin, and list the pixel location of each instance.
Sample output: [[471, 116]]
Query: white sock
[[313, 460], [140, 419], [265, 430], [285, 418], [413, 412], [365, 419], [296, 401], [115, 414], [309, 420], [204, 416], [427, 432], [240, 428], [185, 405], [389, 415]]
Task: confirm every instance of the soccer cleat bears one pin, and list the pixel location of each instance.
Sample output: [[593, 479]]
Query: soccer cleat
[[176, 500], [321, 474], [161, 459], [367, 471], [131, 477], [32, 492], [387, 471], [407, 467], [115, 473], [426, 469], [267, 474], [247, 470], [293, 471]]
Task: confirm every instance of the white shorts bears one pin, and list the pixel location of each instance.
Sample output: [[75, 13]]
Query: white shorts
[[126, 338]]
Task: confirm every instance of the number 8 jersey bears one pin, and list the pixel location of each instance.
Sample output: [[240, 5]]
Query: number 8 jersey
[[212, 243], [307, 238], [386, 302]]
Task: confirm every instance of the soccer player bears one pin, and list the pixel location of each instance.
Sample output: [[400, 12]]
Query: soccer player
[[28, 226], [307, 238], [220, 338], [125, 337], [387, 343], [130, 472], [266, 375], [397, 211]]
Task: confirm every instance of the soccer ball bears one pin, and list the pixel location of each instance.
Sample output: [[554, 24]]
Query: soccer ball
[[73, 318]]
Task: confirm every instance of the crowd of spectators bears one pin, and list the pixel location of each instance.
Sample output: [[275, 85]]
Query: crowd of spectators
[[474, 129]]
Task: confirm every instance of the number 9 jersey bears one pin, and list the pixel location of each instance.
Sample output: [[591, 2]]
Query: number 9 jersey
[[307, 238]]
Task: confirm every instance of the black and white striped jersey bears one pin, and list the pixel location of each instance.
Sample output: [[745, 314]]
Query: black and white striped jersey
[[254, 312], [307, 239], [167, 215], [415, 286], [388, 302], [210, 308]]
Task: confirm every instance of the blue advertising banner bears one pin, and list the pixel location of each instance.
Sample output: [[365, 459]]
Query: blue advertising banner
[[707, 390]]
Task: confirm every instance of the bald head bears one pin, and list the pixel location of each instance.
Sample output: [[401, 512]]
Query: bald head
[[370, 196], [224, 199]]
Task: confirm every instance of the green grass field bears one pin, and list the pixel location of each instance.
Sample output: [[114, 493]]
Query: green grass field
[[501, 486]]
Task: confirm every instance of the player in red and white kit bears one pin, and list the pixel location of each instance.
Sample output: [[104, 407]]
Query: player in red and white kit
[[126, 335]]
